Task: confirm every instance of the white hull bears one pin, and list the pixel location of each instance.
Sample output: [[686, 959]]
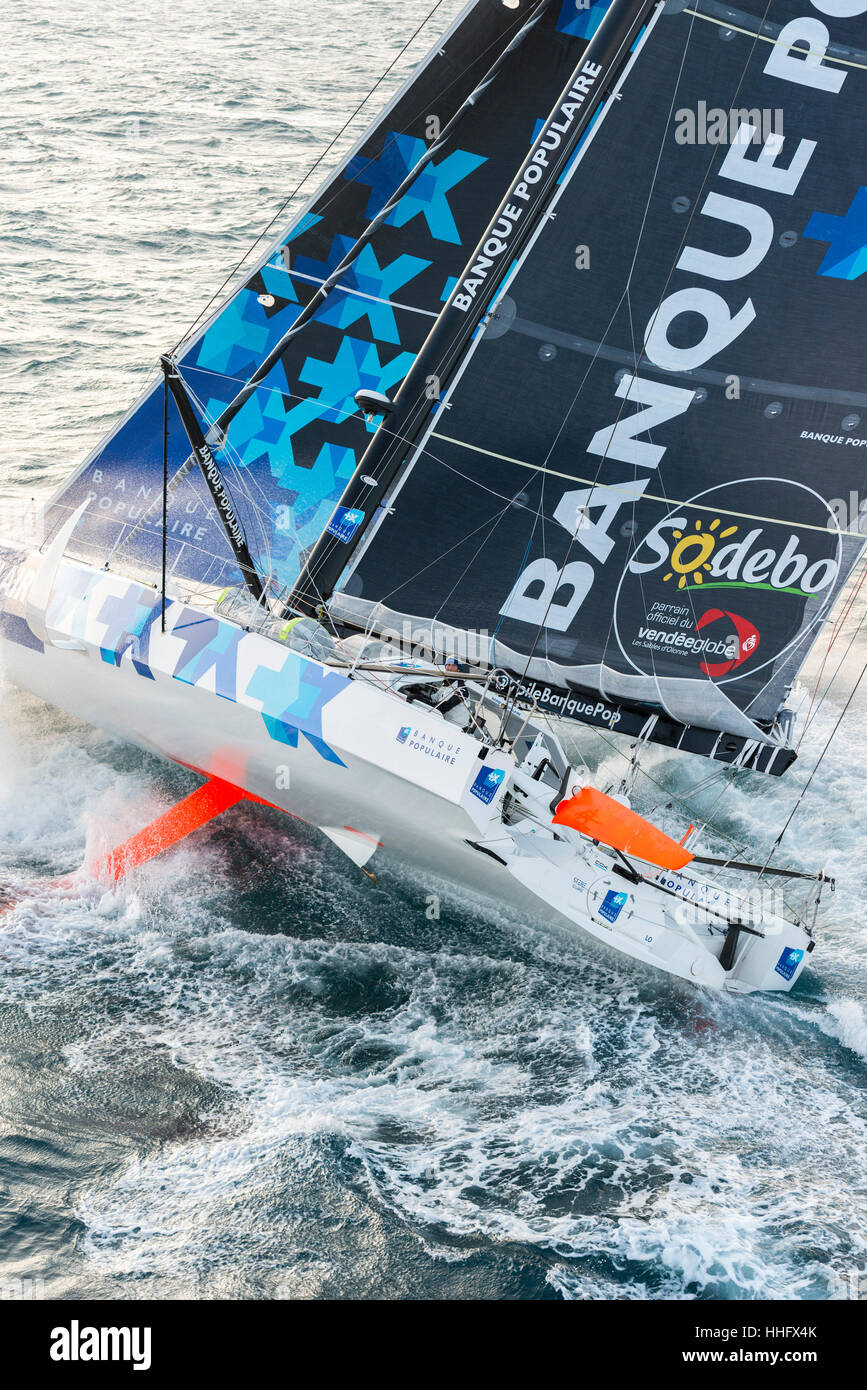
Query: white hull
[[352, 752]]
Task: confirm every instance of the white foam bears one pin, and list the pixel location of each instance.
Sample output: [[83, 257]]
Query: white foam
[[488, 1083], [848, 1024]]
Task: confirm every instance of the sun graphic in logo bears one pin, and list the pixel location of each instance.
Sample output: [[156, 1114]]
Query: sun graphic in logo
[[692, 553]]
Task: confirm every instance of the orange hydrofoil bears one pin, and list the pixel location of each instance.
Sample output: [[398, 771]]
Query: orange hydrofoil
[[602, 818]]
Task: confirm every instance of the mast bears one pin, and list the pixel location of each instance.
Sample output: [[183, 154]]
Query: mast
[[334, 278], [165, 536], [229, 518], [504, 238]]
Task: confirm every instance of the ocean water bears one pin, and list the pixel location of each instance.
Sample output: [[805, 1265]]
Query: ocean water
[[250, 1072]]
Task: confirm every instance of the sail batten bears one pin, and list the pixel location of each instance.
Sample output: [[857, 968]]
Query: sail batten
[[699, 375], [623, 489]]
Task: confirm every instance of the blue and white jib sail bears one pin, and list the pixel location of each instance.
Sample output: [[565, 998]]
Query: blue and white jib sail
[[291, 449], [633, 497]]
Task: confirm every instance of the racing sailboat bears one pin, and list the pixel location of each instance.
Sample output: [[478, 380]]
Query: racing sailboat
[[535, 414]]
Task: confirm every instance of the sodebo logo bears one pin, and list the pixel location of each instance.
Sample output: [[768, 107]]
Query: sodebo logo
[[696, 557]]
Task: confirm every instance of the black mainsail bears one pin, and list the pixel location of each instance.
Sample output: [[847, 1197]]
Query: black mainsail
[[630, 493]]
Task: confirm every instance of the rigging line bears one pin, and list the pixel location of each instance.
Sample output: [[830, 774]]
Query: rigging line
[[656, 676], [323, 207], [625, 294], [476, 482], [164, 544], [221, 560], [260, 386], [437, 560], [309, 173], [698, 376], [689, 596], [349, 289], [844, 711], [501, 617], [274, 356], [637, 356], [729, 776], [344, 415], [538, 516], [836, 631], [243, 476], [189, 464], [245, 521], [541, 627], [480, 326], [426, 451], [650, 496], [186, 467], [510, 502], [241, 480], [582, 383], [327, 546], [703, 821], [410, 441], [434, 98], [276, 352], [502, 497], [469, 478], [676, 257], [485, 541], [671, 796], [827, 692], [767, 38], [694, 210], [811, 717], [804, 642], [142, 524]]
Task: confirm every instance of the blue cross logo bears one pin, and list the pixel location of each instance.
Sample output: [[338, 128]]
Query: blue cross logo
[[846, 236]]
